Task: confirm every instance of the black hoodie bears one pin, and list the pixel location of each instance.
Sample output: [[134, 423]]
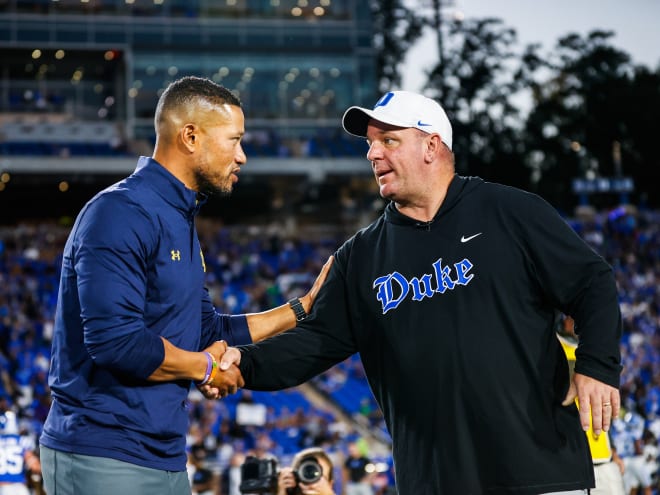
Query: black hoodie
[[454, 323]]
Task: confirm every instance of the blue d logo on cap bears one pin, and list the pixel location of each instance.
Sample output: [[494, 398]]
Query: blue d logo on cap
[[385, 99]]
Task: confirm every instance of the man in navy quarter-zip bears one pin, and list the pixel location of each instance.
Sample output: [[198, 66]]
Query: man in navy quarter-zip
[[450, 299], [135, 325]]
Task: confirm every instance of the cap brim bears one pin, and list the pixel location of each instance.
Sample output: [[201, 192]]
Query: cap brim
[[356, 120]]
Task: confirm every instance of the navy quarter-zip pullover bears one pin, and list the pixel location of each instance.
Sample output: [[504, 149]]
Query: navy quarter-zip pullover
[[132, 275]]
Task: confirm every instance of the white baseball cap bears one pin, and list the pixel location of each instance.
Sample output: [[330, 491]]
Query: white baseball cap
[[402, 109]]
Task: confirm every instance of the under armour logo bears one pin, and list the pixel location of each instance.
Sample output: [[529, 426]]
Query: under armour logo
[[176, 255]]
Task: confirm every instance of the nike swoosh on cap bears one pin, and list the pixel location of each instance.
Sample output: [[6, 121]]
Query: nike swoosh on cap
[[422, 124]]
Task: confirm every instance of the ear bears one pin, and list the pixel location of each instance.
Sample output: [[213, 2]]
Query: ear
[[189, 136], [433, 143]]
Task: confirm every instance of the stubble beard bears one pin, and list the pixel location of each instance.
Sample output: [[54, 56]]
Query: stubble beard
[[206, 186]]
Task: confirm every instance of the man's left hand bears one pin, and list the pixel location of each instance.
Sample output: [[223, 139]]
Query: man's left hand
[[597, 401]]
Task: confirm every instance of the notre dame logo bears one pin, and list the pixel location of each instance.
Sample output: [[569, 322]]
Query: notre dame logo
[[176, 255]]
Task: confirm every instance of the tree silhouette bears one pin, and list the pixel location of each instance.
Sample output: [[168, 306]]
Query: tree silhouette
[[396, 28], [586, 118], [476, 84], [589, 111]]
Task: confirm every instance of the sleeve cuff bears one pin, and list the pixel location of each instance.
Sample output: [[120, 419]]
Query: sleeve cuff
[[149, 362], [609, 376], [239, 333]]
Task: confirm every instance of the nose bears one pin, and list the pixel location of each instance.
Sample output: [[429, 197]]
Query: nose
[[241, 157], [374, 151]]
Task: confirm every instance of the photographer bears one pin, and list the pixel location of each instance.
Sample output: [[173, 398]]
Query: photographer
[[311, 473]]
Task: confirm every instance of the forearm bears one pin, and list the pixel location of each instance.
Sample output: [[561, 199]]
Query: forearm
[[277, 320], [179, 364], [274, 321]]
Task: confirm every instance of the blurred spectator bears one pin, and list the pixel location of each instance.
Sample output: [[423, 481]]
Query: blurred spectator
[[311, 472], [19, 468], [203, 481], [358, 472], [231, 476]]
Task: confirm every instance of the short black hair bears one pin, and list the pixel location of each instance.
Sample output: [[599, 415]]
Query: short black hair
[[189, 90]]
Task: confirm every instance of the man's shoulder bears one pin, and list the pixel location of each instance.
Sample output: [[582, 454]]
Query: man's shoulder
[[502, 196], [118, 202], [364, 238], [497, 188]]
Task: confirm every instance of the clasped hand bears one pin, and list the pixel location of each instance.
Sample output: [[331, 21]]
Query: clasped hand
[[228, 378]]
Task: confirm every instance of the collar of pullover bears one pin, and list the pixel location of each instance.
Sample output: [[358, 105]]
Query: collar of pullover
[[171, 189], [455, 191]]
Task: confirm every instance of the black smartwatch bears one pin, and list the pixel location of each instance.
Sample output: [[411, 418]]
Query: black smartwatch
[[298, 309]]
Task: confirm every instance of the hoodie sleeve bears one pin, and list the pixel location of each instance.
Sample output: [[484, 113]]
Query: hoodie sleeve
[[319, 342], [578, 282]]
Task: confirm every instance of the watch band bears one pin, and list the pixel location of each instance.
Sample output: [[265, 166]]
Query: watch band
[[298, 309]]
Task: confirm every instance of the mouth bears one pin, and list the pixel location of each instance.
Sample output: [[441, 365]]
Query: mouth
[[381, 174]]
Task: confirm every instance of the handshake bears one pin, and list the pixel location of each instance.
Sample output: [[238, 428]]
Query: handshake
[[220, 363], [222, 376]]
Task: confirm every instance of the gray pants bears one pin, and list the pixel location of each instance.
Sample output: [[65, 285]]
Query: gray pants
[[75, 474]]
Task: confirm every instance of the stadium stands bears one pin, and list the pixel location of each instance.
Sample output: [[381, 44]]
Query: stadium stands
[[248, 273]]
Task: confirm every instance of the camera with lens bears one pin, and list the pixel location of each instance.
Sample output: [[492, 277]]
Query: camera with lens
[[260, 475], [309, 471]]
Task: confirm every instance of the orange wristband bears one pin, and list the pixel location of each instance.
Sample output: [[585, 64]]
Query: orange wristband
[[214, 370]]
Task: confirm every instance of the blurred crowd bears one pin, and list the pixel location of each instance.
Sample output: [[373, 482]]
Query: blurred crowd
[[100, 138], [251, 268]]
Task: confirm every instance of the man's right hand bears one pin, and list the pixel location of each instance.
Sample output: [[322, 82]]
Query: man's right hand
[[217, 349], [226, 381], [228, 378], [230, 356]]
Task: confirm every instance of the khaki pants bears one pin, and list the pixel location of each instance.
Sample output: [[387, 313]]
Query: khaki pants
[[609, 480]]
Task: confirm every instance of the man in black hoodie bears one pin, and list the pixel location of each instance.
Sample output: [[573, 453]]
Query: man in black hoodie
[[450, 299]]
